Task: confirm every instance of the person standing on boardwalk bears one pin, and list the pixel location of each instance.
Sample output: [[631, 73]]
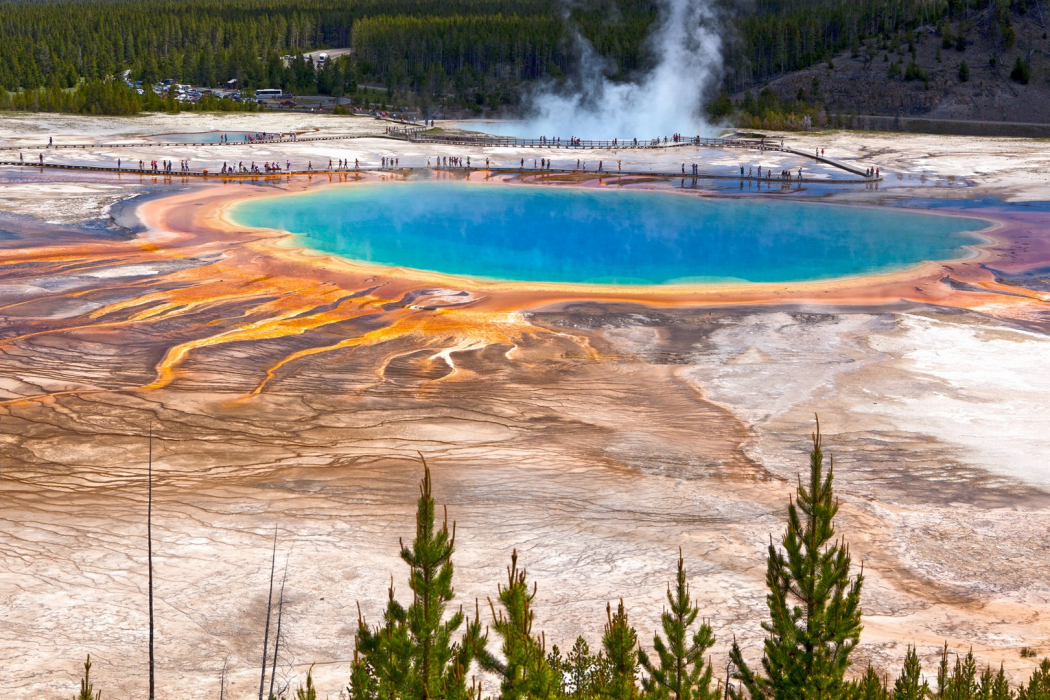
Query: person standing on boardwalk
[[41, 158]]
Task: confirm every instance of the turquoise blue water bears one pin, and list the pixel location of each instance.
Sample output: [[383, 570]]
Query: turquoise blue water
[[558, 234]]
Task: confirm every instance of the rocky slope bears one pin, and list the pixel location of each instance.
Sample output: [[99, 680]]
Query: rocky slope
[[864, 81]]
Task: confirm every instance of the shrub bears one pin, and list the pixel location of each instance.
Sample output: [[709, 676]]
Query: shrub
[[964, 72], [1021, 72], [913, 72]]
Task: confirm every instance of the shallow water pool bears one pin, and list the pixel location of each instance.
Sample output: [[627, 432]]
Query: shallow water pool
[[570, 235], [202, 137]]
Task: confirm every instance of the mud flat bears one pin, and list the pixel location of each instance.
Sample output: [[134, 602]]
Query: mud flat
[[596, 430]]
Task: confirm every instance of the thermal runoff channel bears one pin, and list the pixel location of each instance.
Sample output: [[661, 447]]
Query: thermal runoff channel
[[563, 235]]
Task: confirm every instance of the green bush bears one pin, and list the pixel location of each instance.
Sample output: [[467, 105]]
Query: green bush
[[1021, 72], [913, 72]]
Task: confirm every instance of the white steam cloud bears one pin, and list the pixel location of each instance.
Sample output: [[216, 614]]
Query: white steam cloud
[[686, 46]]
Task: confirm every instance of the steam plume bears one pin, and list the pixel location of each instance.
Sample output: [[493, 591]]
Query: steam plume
[[687, 47]]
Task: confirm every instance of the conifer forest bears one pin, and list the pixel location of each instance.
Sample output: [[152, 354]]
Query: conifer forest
[[473, 54]]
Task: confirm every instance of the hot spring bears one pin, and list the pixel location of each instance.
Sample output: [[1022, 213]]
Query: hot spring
[[570, 235]]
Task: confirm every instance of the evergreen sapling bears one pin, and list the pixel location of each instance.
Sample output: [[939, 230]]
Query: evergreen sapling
[[910, 685], [620, 644], [814, 604], [525, 673], [86, 687], [681, 673], [412, 655]]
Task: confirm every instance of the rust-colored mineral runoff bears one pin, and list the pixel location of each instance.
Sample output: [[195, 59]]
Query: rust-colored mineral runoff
[[596, 430]]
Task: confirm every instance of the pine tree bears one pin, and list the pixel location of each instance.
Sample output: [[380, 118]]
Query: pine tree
[[526, 673], [910, 685], [1021, 72], [309, 692], [814, 604], [86, 687], [363, 682], [580, 671], [961, 681], [620, 644], [943, 674], [964, 678], [682, 672], [1038, 687], [412, 655], [1000, 689], [869, 687]]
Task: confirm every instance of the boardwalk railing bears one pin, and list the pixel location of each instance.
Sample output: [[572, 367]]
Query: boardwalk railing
[[418, 135], [261, 175], [150, 144]]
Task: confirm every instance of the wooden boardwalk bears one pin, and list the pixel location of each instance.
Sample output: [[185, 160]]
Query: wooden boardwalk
[[417, 134], [275, 176]]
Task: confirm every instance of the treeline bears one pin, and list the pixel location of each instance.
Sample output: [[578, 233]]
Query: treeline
[[202, 41], [110, 97], [458, 53], [476, 51], [509, 47]]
